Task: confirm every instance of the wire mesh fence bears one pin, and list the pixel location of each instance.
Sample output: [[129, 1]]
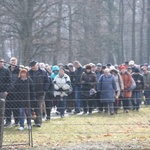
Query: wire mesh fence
[[44, 119]]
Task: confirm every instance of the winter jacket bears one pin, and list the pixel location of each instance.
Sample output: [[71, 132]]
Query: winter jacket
[[108, 87], [88, 82], [14, 74], [61, 85], [40, 81], [127, 81], [5, 80], [98, 74], [53, 75], [146, 78], [77, 76], [138, 78], [50, 93], [119, 84], [14, 77], [24, 93]]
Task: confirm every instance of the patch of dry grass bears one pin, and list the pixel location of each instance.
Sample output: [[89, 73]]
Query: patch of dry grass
[[73, 130]]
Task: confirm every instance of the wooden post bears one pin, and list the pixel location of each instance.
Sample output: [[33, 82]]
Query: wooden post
[[2, 108]]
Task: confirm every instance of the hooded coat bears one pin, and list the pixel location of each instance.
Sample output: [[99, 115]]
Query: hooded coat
[[107, 86]]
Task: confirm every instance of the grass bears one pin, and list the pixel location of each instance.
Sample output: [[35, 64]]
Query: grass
[[121, 128]]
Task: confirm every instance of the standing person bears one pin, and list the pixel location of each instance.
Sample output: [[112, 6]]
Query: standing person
[[120, 86], [49, 99], [126, 94], [132, 65], [70, 99], [24, 93], [10, 105], [99, 72], [146, 76], [88, 82], [5, 80], [61, 86], [107, 86], [48, 69], [77, 76], [55, 71], [41, 85], [136, 93]]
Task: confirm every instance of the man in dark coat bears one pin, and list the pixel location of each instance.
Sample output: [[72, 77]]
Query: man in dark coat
[[11, 106], [70, 100], [99, 72], [5, 80], [136, 93], [77, 75], [41, 85], [49, 99]]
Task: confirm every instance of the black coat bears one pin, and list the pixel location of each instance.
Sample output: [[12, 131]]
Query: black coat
[[40, 81], [49, 94], [14, 74], [140, 84], [24, 93], [88, 81], [5, 80], [77, 76]]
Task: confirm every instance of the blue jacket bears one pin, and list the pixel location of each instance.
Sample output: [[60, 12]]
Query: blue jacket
[[107, 86]]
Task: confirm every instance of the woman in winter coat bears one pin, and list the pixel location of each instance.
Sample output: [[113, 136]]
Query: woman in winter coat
[[24, 94], [120, 86], [126, 93], [108, 87], [88, 85], [62, 84]]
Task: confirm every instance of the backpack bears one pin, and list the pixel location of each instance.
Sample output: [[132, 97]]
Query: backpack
[[133, 85]]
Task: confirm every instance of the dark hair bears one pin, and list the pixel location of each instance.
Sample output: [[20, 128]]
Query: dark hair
[[88, 67]]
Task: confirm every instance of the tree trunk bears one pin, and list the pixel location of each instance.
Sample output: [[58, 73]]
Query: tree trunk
[[58, 39], [26, 34], [133, 29], [121, 20], [141, 31], [148, 30], [70, 32], [110, 30]]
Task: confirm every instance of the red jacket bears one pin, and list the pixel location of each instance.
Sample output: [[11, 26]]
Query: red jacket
[[127, 81]]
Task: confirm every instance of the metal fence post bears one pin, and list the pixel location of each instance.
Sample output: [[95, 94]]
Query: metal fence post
[[2, 110]]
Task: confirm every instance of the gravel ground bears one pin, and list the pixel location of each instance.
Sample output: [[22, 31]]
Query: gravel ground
[[103, 146]]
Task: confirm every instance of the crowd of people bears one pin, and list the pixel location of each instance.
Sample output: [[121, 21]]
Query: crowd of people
[[71, 88]]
